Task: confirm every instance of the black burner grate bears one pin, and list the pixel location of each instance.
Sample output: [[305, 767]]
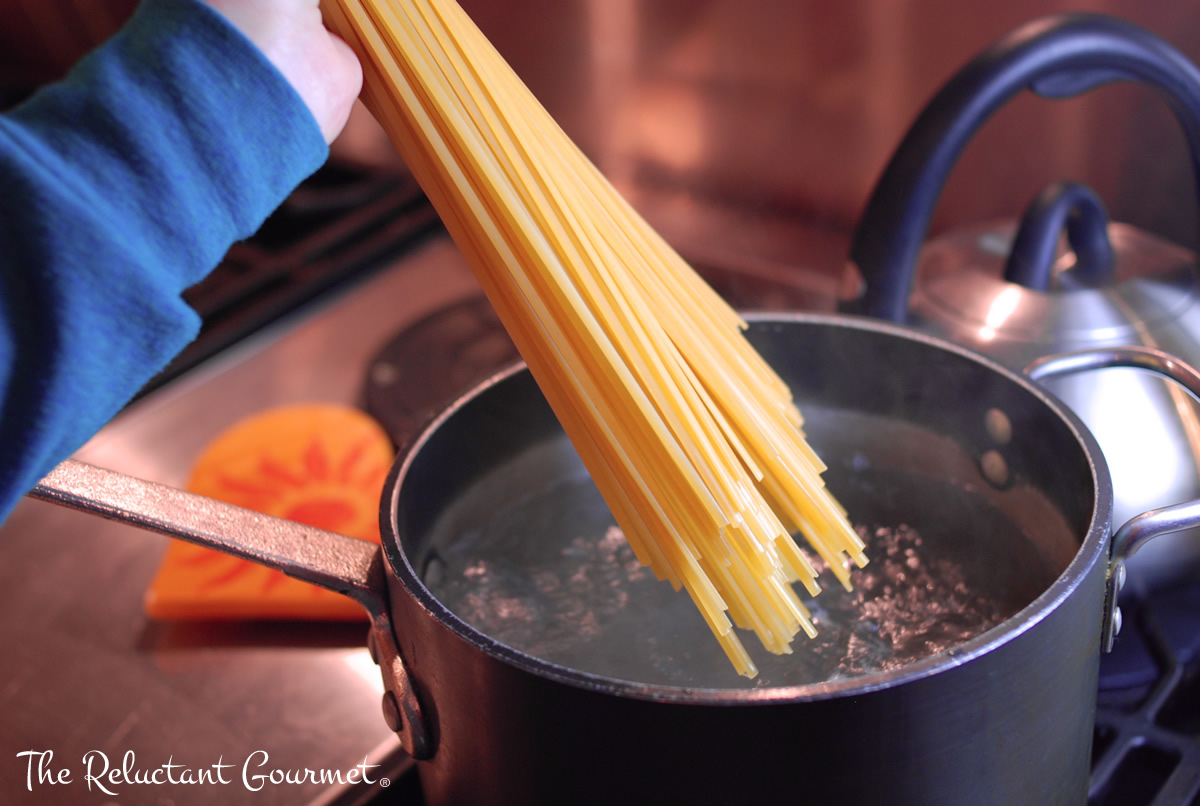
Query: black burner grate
[[339, 225], [1147, 741]]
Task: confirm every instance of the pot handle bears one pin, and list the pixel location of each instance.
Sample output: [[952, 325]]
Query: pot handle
[[342, 564], [1057, 57], [1140, 529]]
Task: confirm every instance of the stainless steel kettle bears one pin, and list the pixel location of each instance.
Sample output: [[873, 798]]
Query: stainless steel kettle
[[1063, 277]]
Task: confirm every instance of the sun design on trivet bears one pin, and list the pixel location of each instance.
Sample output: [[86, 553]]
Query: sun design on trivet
[[319, 464]]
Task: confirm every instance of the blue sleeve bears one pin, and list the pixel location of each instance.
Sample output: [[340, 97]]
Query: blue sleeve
[[120, 187]]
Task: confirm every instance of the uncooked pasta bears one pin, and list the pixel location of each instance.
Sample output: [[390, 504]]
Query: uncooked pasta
[[691, 438]]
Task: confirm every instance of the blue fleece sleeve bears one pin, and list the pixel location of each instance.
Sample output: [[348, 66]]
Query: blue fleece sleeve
[[120, 187]]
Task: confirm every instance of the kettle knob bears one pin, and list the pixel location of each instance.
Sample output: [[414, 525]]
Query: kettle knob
[[1076, 208], [1057, 57]]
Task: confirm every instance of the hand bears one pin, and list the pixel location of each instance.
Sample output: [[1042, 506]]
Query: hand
[[320, 66]]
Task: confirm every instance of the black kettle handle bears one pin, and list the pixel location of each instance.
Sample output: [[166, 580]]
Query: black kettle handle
[[1061, 205], [1057, 57]]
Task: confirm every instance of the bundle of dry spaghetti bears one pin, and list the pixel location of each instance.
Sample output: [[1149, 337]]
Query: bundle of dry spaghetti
[[692, 439]]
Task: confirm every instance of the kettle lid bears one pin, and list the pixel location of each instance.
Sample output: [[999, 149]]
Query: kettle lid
[[1100, 283]]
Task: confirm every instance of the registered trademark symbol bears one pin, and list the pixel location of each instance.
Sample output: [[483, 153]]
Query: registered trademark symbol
[[385, 783]]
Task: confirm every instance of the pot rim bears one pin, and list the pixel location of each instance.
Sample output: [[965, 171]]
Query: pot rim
[[1093, 548]]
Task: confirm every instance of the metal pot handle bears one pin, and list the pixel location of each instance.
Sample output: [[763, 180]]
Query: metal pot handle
[[342, 564], [1056, 57], [1140, 529]]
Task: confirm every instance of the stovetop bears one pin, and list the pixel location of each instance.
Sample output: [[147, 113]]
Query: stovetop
[[352, 294]]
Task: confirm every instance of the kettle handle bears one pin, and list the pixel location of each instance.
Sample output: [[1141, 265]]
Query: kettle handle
[[1079, 209], [1057, 57]]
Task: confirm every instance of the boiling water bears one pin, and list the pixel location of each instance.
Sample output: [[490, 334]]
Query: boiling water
[[531, 557]]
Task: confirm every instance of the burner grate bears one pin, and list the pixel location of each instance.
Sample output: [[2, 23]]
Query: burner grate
[[340, 225], [1147, 741]]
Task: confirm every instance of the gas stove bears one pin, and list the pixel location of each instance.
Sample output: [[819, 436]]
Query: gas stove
[[352, 294], [749, 140]]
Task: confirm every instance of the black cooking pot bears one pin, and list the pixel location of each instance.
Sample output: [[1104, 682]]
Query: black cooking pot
[[1006, 489]]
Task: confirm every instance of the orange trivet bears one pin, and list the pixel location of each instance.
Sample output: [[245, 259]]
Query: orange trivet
[[319, 464]]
